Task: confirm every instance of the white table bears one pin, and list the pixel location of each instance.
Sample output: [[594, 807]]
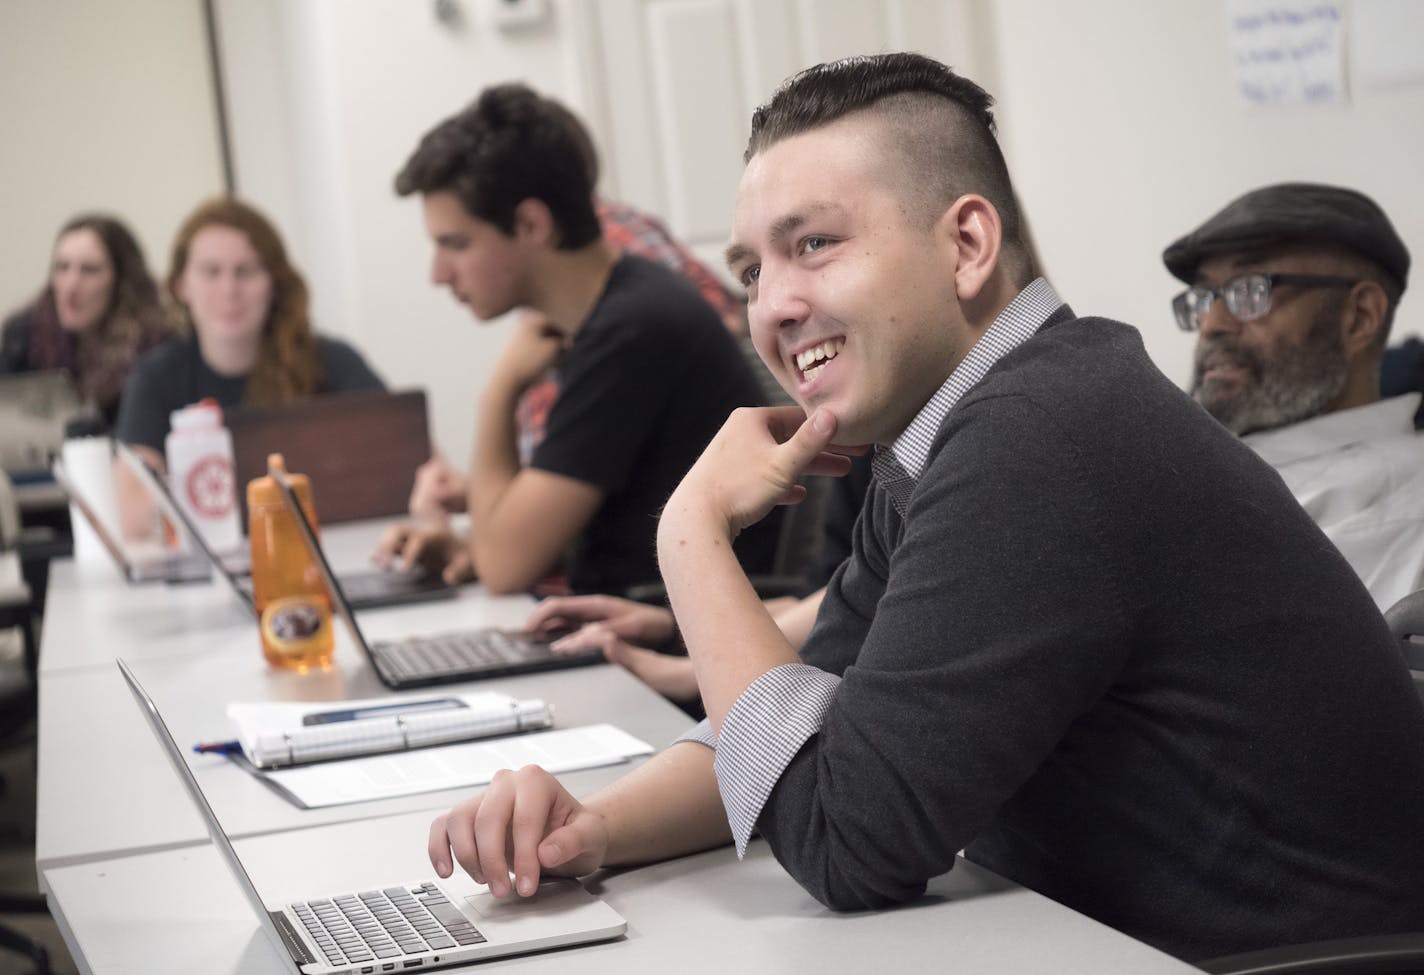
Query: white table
[[124, 764], [92, 615], [135, 885], [705, 913], [94, 741]]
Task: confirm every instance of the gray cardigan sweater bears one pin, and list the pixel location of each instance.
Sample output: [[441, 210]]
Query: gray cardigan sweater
[[1106, 651]]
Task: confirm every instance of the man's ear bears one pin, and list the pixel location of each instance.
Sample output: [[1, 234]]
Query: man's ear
[[1365, 310], [972, 226], [533, 222]]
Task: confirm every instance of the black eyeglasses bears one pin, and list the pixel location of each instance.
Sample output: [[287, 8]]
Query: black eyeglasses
[[1247, 296]]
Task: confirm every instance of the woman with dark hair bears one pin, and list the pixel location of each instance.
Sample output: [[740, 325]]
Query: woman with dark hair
[[247, 335], [97, 313]]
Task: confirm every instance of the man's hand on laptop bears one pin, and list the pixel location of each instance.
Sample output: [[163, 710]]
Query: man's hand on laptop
[[436, 550], [648, 626], [622, 629], [525, 823]]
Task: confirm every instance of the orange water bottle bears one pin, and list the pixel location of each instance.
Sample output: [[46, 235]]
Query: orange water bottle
[[287, 587]]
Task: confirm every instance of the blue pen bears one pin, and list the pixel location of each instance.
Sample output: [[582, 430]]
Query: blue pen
[[218, 748]]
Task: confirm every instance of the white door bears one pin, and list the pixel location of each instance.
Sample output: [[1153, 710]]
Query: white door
[[675, 83]]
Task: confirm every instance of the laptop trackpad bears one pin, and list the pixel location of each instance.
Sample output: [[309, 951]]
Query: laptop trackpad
[[552, 894], [561, 912]]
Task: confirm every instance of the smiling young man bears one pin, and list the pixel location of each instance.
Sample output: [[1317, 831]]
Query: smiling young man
[[646, 371], [1083, 634], [1293, 290]]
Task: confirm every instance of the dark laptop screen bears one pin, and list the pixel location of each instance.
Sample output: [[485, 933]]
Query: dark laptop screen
[[359, 449]]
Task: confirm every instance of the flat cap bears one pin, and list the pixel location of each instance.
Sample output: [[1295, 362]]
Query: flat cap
[[1294, 213]]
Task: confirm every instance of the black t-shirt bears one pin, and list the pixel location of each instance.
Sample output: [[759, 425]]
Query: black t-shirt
[[174, 375], [649, 380]]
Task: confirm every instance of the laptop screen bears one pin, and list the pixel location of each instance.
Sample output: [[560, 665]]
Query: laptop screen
[[210, 819], [157, 487], [101, 529], [34, 407], [361, 450], [341, 604]]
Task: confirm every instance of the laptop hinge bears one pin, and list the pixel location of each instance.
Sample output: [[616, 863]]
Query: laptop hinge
[[295, 947]]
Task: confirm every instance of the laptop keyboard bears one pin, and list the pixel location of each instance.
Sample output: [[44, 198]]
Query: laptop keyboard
[[453, 653], [382, 924]]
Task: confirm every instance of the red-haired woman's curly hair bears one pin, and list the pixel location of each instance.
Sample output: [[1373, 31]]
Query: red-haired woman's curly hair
[[288, 366]]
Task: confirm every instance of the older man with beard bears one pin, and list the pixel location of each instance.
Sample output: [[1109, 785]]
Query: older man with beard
[[1293, 289]]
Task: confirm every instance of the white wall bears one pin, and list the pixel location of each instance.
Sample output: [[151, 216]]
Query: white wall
[[107, 106], [1124, 131], [328, 99], [1119, 119]]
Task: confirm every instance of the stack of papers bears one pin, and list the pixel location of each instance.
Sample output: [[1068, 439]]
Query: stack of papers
[[385, 744], [454, 766]]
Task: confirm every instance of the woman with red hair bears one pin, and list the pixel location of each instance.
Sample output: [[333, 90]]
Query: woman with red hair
[[247, 335]]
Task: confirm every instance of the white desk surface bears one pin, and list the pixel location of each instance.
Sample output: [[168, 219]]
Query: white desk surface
[[92, 615], [135, 885], [144, 806], [195, 650], [706, 913]]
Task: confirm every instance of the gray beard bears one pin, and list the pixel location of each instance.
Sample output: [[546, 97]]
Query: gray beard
[[1295, 386], [1275, 404]]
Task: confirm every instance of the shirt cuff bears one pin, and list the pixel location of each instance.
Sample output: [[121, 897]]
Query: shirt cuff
[[765, 729], [699, 734]]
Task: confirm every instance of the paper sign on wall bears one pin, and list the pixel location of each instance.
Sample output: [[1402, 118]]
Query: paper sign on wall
[[1287, 53]]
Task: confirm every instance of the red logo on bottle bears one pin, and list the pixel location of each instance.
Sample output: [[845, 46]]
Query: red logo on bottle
[[210, 486]]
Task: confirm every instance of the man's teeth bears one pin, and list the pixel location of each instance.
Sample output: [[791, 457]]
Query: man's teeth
[[813, 360]]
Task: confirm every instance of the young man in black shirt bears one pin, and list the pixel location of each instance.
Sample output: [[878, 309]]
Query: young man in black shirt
[[646, 371]]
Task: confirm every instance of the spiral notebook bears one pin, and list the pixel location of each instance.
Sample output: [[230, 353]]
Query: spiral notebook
[[275, 734]]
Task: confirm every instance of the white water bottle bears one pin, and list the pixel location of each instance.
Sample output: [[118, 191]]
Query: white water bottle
[[201, 473], [88, 457]]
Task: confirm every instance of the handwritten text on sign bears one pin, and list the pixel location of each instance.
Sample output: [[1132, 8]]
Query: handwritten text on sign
[[1287, 53]]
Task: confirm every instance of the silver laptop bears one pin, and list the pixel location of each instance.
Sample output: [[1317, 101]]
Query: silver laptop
[[135, 566], [401, 926], [443, 658], [366, 590], [229, 567], [34, 407]]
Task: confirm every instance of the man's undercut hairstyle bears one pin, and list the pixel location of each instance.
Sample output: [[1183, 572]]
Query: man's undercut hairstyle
[[939, 122], [510, 145]]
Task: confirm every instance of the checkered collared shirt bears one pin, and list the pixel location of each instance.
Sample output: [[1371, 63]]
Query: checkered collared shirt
[[784, 707]]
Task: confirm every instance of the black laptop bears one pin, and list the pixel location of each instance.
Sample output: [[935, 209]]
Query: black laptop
[[443, 658]]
